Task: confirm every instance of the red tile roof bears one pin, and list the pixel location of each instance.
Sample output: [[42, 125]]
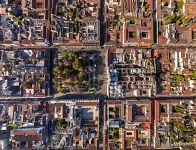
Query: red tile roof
[[25, 132], [162, 40]]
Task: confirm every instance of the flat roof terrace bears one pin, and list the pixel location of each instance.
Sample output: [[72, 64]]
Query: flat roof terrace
[[131, 73]]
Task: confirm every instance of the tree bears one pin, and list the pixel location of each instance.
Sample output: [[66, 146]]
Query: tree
[[116, 18], [187, 139], [179, 22], [127, 58], [7, 67], [17, 20], [78, 64], [81, 75], [27, 85], [133, 21], [115, 133], [145, 6], [187, 78], [170, 19], [66, 71], [163, 139], [70, 74], [180, 4], [72, 55], [194, 75], [61, 123], [186, 20], [188, 117], [179, 109], [57, 70], [177, 78], [39, 76], [163, 108], [16, 61]]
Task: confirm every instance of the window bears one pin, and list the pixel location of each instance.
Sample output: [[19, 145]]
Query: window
[[41, 16], [131, 34], [144, 35], [39, 5], [58, 109], [144, 92], [129, 133], [194, 35]]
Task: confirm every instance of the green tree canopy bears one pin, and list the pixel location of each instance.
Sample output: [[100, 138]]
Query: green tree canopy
[[78, 64], [194, 75], [186, 20], [180, 4], [170, 19], [57, 69]]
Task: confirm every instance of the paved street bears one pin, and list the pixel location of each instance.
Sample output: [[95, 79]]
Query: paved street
[[18, 100]]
